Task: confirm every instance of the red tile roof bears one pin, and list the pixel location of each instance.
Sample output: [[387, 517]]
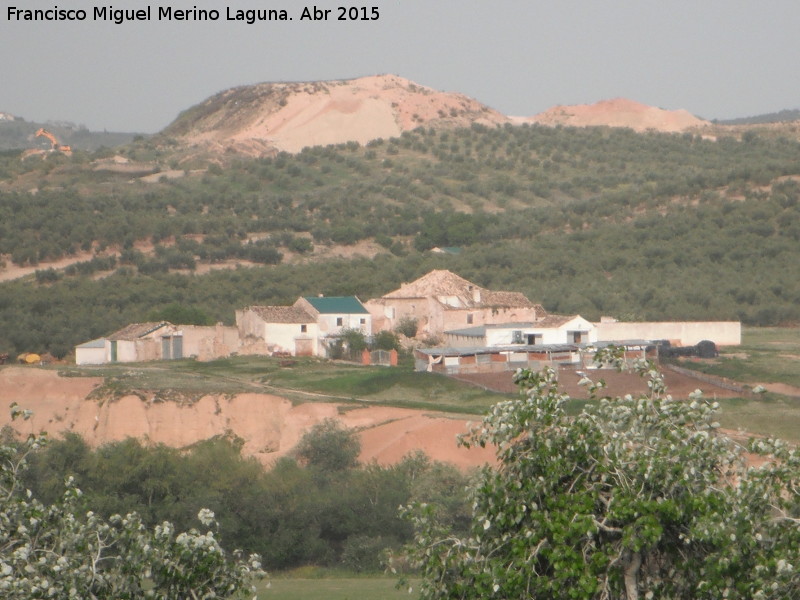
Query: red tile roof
[[134, 331], [443, 283], [283, 314]]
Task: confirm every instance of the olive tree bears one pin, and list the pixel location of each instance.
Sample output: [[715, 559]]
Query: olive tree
[[329, 446], [636, 497], [58, 551]]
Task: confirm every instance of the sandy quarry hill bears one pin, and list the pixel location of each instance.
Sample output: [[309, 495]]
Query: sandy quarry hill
[[269, 425], [259, 119], [265, 118], [619, 112]]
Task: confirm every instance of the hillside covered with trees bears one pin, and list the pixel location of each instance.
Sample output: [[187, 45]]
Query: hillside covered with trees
[[584, 220]]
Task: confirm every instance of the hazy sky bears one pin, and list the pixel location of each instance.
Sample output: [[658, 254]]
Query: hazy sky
[[715, 58]]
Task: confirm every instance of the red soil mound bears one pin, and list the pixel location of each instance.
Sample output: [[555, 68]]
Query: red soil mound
[[619, 112], [269, 425]]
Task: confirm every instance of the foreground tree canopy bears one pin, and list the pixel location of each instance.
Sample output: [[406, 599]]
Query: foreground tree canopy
[[636, 497], [55, 552], [318, 507]]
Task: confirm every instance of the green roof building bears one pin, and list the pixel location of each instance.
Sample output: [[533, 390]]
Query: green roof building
[[329, 305], [335, 313]]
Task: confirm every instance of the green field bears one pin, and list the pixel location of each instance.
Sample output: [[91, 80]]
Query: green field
[[772, 415], [769, 356], [766, 355], [300, 380]]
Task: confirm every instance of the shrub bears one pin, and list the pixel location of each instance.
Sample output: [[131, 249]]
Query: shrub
[[385, 340], [407, 326], [329, 446]]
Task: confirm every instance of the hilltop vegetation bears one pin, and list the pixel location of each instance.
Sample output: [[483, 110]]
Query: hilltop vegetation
[[19, 134], [594, 221], [776, 117]]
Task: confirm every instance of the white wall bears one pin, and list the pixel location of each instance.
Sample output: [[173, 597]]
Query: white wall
[[126, 351], [90, 356], [328, 323], [550, 335], [283, 335], [722, 333]]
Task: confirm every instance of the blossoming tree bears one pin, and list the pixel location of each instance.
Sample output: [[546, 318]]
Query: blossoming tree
[[635, 497], [54, 552]]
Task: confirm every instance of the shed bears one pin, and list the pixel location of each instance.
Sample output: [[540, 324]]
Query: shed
[[145, 341], [91, 353]]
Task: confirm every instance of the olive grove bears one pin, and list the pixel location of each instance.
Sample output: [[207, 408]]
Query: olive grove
[[635, 497]]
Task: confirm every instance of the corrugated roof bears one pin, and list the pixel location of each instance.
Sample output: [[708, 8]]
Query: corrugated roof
[[548, 322], [467, 351], [136, 330], [283, 314], [477, 331], [341, 305], [98, 343]]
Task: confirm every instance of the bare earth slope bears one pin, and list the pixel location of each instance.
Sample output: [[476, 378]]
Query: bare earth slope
[[618, 112], [290, 116], [266, 118], [269, 425]]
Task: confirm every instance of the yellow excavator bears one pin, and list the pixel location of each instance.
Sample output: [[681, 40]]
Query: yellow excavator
[[42, 132]]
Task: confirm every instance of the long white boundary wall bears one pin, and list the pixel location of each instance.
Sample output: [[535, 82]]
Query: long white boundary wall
[[722, 333]]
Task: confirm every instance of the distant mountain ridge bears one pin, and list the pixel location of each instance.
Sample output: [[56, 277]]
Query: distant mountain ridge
[[783, 116]]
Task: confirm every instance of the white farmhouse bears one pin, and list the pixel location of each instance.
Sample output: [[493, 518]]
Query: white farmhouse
[[277, 330], [336, 313], [552, 329]]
